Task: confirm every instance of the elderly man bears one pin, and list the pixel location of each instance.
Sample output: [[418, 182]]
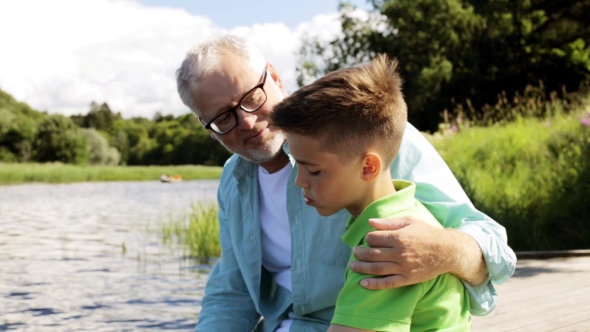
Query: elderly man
[[283, 262]]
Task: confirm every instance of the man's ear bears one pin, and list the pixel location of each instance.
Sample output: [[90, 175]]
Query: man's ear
[[372, 164], [275, 77]]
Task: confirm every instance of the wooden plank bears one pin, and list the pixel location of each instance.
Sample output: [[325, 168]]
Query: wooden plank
[[540, 316], [543, 295], [572, 321], [552, 254], [581, 326], [533, 312]]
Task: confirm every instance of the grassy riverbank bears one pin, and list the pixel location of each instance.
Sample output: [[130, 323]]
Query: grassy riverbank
[[198, 231], [65, 173], [531, 175]]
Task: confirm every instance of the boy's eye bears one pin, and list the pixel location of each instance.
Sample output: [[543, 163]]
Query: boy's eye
[[316, 173]]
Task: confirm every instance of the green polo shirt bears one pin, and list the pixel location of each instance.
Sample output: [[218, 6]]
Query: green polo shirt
[[440, 304]]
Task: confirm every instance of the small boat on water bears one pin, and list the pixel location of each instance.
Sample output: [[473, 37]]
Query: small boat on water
[[170, 178]]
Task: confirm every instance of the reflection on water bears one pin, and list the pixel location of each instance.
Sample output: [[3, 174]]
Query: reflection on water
[[89, 257]]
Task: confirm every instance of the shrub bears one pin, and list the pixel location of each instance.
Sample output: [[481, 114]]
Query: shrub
[[530, 175]]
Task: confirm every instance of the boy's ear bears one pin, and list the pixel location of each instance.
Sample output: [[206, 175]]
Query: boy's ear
[[371, 166]]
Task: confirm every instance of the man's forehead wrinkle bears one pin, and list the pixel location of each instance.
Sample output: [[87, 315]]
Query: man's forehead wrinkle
[[226, 85], [219, 93], [231, 102], [234, 98]]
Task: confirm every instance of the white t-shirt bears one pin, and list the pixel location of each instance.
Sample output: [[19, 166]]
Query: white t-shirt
[[275, 230]]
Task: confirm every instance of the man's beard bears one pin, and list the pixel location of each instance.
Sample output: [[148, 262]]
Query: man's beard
[[264, 153]]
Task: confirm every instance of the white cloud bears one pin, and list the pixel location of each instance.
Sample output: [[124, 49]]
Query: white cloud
[[60, 55]]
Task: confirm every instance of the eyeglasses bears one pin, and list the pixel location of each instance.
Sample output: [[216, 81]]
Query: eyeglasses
[[250, 102]]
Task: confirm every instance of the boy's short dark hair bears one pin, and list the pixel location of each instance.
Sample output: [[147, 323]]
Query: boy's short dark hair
[[350, 109]]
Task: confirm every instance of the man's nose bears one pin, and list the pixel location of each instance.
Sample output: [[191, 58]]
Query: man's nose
[[246, 120]]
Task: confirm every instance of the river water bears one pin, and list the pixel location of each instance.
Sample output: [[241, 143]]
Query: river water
[[89, 257]]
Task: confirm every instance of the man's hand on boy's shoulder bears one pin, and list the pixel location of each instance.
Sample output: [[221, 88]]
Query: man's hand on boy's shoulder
[[407, 251]]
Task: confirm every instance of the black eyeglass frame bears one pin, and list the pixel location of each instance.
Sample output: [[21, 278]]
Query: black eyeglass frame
[[234, 110]]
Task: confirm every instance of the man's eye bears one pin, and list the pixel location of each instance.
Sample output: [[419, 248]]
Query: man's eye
[[316, 173], [223, 119], [254, 99]]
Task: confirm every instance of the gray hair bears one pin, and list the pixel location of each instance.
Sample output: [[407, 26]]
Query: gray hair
[[204, 57]]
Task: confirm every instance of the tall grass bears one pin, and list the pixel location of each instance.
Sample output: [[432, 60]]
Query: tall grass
[[532, 175], [64, 173], [198, 232], [533, 102]]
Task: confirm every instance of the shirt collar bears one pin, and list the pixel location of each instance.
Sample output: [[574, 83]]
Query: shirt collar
[[402, 199]]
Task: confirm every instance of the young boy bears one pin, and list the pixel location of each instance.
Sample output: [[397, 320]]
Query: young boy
[[344, 130]]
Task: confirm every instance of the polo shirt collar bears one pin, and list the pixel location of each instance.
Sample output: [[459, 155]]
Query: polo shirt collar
[[402, 199]]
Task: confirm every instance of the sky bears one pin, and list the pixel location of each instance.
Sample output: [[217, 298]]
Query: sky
[[60, 55], [246, 13]]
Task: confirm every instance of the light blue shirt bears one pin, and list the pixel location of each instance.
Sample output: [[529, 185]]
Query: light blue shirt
[[240, 291]]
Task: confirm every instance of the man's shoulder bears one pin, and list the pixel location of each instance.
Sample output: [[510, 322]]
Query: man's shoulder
[[236, 170], [227, 174], [229, 166], [413, 149], [230, 162]]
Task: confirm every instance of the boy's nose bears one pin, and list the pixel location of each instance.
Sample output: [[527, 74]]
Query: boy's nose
[[299, 181]]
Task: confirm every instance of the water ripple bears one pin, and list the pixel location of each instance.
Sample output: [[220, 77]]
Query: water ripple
[[63, 268]]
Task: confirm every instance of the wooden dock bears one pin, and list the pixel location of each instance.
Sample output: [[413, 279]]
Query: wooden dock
[[543, 295]]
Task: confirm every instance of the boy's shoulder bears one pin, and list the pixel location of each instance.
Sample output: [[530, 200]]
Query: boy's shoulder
[[420, 211], [416, 209]]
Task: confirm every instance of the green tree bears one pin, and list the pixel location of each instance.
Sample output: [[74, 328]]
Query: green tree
[[159, 117], [100, 117], [462, 51], [99, 151], [119, 140], [197, 146], [26, 134], [183, 140], [140, 143], [132, 139], [20, 137], [59, 139], [6, 120], [18, 128]]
